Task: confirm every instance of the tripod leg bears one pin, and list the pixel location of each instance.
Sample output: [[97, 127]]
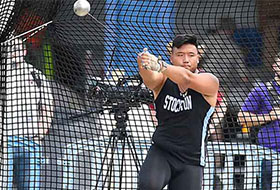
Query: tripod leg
[[122, 163], [133, 151], [111, 165], [103, 162]]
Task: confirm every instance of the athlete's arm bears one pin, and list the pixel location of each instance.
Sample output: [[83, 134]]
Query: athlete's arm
[[204, 83], [152, 79]]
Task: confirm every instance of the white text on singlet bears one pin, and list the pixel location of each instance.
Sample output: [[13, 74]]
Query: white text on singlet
[[177, 105]]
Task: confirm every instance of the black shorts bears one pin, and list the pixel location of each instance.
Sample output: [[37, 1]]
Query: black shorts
[[158, 171]]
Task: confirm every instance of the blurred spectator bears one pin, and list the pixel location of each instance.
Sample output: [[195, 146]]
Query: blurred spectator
[[250, 40], [216, 135], [153, 114], [29, 112], [94, 68], [260, 113], [215, 127], [224, 58], [269, 23]]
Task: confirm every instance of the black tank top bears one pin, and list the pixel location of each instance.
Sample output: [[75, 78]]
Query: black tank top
[[182, 123]]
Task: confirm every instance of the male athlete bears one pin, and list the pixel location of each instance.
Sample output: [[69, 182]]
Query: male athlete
[[184, 100]]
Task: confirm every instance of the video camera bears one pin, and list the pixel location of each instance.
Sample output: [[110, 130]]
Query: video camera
[[122, 94]]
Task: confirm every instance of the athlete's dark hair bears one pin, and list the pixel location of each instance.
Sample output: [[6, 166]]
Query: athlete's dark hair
[[182, 39]]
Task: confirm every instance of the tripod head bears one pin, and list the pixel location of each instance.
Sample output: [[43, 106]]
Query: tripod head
[[121, 117]]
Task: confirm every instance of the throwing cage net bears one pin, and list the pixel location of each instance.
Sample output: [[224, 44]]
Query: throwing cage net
[[75, 113]]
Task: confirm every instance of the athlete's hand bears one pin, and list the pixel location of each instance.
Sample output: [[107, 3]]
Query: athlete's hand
[[149, 61]]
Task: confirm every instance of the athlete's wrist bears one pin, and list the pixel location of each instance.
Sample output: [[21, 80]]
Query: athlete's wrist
[[163, 65]]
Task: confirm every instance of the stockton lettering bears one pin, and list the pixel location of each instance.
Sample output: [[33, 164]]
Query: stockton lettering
[[177, 105]]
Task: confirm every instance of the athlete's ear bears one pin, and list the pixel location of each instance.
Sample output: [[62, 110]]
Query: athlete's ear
[[171, 60]]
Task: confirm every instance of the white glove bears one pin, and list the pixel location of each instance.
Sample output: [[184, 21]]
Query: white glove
[[149, 61]]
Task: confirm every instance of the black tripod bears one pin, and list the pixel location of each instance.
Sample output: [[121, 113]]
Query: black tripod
[[118, 134]]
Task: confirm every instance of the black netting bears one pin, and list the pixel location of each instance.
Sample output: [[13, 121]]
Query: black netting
[[77, 115]]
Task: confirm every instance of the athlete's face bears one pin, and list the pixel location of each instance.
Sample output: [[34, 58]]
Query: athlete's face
[[186, 56]]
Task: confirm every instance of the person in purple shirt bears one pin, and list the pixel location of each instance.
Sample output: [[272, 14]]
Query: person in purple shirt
[[261, 109]]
